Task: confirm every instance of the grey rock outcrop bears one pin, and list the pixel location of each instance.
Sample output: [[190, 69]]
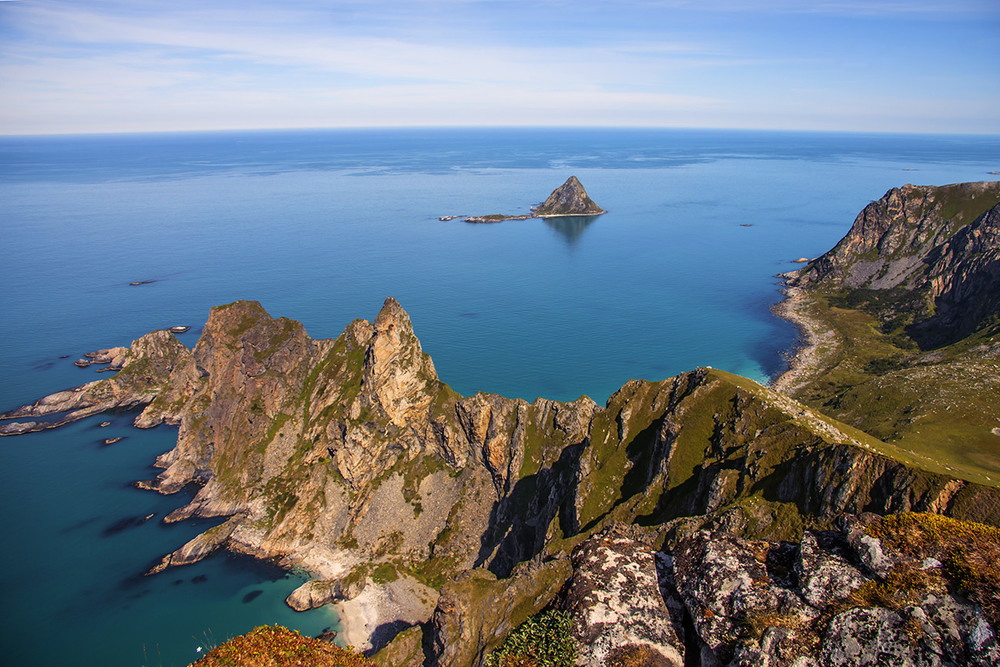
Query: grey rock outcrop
[[818, 603], [725, 585], [316, 593], [824, 575], [617, 607]]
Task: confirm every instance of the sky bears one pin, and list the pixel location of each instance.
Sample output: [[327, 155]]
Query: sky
[[86, 66]]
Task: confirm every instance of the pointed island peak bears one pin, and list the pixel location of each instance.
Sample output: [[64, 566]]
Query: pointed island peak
[[569, 199]]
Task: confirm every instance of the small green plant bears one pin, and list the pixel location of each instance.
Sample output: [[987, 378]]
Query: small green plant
[[544, 640], [384, 574]]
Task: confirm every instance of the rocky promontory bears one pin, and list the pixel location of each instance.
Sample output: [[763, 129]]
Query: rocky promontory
[[902, 320], [927, 257], [351, 459]]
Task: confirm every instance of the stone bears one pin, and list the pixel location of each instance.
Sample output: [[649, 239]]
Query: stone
[[724, 583], [824, 576], [872, 636], [617, 609], [316, 593]]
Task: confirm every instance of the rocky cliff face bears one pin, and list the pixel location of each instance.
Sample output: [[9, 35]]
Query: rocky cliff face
[[350, 456], [924, 256], [699, 520]]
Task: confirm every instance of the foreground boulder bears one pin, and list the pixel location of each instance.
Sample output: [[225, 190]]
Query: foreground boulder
[[818, 603], [618, 610]]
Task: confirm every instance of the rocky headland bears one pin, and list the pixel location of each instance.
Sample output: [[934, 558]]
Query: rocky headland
[[569, 199], [901, 321], [699, 520]]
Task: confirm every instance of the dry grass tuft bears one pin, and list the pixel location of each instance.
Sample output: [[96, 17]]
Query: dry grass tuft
[[275, 646], [968, 551]]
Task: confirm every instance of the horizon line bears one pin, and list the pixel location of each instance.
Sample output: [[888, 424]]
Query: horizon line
[[119, 133]]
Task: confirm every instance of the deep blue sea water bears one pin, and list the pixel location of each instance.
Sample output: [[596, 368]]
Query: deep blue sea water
[[321, 226]]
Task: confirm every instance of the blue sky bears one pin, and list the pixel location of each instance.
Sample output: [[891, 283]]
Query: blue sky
[[148, 65]]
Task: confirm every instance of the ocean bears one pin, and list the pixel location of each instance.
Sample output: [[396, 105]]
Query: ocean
[[322, 225]]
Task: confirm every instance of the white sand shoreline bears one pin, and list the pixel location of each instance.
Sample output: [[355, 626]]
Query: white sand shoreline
[[804, 359], [404, 601]]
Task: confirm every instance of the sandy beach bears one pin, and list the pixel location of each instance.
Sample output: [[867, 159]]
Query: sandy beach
[[404, 601], [805, 360]]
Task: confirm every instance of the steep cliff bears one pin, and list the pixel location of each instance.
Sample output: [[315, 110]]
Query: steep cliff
[[923, 257], [349, 457]]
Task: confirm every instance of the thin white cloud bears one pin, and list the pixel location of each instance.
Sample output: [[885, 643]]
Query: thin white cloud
[[374, 57], [148, 64]]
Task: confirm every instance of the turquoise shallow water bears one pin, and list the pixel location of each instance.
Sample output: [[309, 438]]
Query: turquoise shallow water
[[321, 226]]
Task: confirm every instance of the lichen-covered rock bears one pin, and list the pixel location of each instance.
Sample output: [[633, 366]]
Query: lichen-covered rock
[[917, 612], [726, 588], [825, 576], [866, 547], [874, 636], [616, 604]]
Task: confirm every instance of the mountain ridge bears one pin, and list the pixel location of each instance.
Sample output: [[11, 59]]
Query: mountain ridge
[[351, 459]]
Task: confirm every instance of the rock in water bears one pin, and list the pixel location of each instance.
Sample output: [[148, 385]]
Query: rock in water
[[569, 199]]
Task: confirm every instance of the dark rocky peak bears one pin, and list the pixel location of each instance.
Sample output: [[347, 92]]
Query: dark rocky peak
[[890, 239], [570, 198], [244, 333], [924, 257]]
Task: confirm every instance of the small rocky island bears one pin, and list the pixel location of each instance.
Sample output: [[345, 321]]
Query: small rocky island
[[569, 199]]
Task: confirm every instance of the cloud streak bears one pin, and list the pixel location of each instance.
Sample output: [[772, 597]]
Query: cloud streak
[[110, 65]]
